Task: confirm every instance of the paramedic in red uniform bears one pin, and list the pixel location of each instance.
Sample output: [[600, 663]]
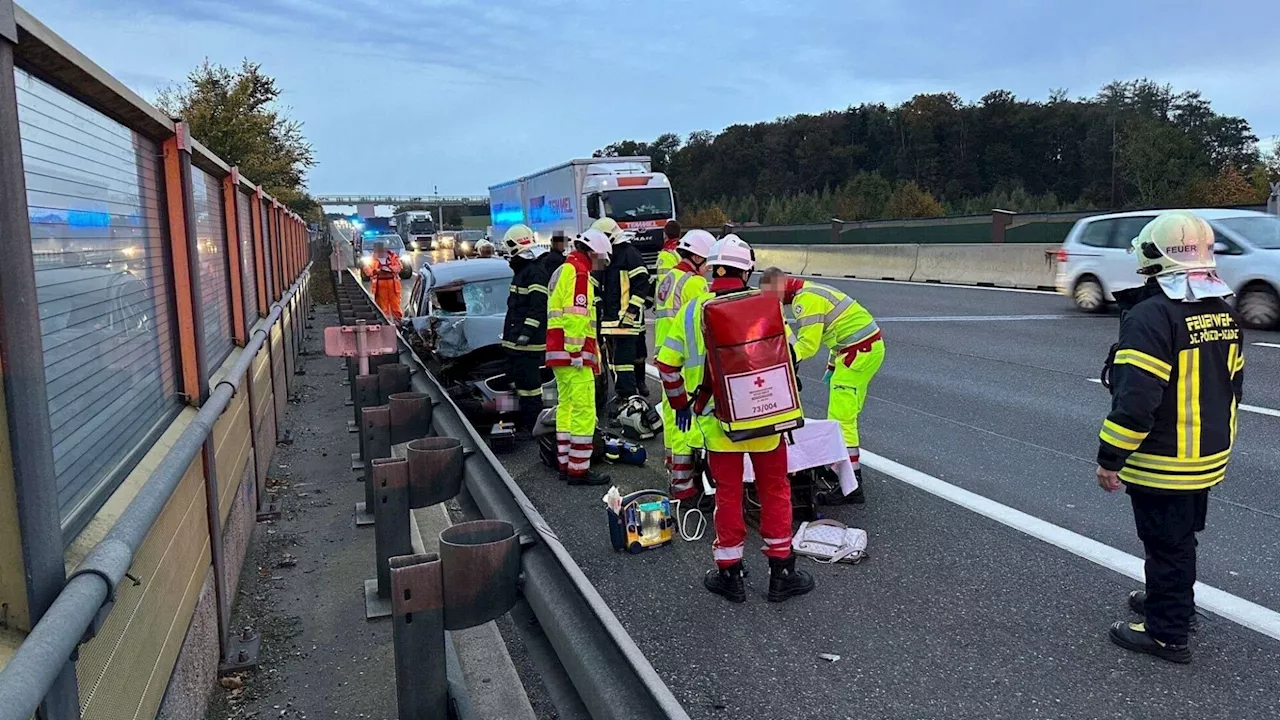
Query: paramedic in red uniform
[[680, 365]]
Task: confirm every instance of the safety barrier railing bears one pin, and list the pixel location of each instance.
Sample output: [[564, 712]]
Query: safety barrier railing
[[128, 211], [611, 677]]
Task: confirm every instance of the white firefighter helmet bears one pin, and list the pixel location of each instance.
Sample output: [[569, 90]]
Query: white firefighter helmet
[[597, 241], [697, 242], [638, 419], [484, 248], [1174, 241], [732, 251], [610, 228], [518, 238]]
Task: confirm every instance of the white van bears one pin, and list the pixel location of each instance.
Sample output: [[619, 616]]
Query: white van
[[1094, 261]]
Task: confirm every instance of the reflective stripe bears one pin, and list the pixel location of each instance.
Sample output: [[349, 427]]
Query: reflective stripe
[[669, 376], [1189, 403], [554, 313], [539, 288], [575, 340], [1181, 465], [579, 454], [673, 345], [530, 393], [1143, 361], [678, 291], [728, 553], [692, 346], [642, 270], [665, 313], [575, 310], [1176, 481], [581, 439], [531, 322], [809, 320], [1120, 436], [558, 355], [776, 542], [865, 332]]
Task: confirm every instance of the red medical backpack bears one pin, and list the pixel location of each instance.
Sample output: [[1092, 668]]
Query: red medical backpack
[[748, 366]]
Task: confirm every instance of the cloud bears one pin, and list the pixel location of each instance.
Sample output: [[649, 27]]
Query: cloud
[[402, 95]]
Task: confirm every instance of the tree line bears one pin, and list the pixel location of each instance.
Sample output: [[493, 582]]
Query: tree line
[[1133, 144]]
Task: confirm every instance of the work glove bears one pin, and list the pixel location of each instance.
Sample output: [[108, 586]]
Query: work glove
[[684, 418], [631, 318], [522, 340], [575, 361]]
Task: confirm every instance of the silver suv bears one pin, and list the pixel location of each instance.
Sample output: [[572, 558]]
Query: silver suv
[[1094, 261]]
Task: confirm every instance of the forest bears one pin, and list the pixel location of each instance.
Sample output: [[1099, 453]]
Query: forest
[[1134, 144]]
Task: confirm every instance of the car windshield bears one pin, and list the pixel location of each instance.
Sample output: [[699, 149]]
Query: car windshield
[[393, 242], [638, 204], [422, 226], [486, 297], [1259, 231]]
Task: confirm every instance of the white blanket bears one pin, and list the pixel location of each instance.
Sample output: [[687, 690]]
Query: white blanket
[[819, 443]]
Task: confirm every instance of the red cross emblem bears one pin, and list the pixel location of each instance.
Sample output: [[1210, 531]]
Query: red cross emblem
[[759, 382]]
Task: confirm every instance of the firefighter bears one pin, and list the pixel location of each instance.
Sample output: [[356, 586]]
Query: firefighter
[[574, 356], [1176, 378], [669, 257], [525, 331], [681, 283], [680, 366], [557, 249], [484, 248], [826, 316], [383, 270], [624, 291]]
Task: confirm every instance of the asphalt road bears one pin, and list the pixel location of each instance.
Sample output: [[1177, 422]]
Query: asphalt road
[[955, 615]]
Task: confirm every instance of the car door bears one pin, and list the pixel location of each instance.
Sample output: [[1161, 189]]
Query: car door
[[1233, 259]]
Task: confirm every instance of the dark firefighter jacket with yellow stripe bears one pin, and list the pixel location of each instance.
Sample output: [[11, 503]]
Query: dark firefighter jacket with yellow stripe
[[527, 305], [1176, 384], [625, 288]]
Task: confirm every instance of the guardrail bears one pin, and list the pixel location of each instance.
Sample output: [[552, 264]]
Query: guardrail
[[609, 673], [1028, 265]]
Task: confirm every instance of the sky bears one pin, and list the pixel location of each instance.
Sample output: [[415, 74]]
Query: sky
[[419, 96]]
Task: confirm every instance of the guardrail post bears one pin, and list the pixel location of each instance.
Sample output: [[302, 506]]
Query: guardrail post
[[410, 416], [375, 430], [392, 533], [435, 470], [43, 569], [392, 378], [417, 634]]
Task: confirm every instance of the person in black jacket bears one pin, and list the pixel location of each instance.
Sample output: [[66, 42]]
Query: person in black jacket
[[524, 332], [556, 254], [1176, 378], [625, 289]]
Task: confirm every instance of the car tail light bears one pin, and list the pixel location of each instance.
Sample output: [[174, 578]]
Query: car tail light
[[1062, 255]]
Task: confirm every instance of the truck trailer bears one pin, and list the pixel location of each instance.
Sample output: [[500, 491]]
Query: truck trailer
[[571, 196]]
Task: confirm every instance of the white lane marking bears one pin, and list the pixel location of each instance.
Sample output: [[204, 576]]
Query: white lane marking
[[1247, 408], [1269, 345], [983, 318], [1220, 602], [930, 284]]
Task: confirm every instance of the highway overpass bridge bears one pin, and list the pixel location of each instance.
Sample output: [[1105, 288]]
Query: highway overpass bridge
[[366, 203]]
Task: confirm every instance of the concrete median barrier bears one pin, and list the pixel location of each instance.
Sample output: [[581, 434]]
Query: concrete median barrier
[[787, 257], [1002, 265], [875, 262]]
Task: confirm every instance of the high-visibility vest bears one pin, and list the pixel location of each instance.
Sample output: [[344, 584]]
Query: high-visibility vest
[[667, 259], [678, 286], [826, 316], [571, 314]]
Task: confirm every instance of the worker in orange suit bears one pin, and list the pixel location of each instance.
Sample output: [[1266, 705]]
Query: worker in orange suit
[[383, 270]]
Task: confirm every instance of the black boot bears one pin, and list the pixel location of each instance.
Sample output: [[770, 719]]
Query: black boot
[[642, 385], [1138, 604], [591, 478], [786, 581], [727, 583], [1134, 636]]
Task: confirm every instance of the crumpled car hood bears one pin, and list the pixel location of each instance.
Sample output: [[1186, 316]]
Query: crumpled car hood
[[458, 335]]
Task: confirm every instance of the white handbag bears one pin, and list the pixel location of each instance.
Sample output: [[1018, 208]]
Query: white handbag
[[830, 541]]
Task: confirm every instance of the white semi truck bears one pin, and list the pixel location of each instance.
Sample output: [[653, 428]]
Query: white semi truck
[[571, 196]]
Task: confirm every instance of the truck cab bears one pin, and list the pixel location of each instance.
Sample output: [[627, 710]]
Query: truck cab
[[641, 202]]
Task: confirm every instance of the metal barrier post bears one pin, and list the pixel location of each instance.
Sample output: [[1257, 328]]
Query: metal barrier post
[[417, 634], [26, 398], [375, 430], [410, 416], [392, 532], [366, 395]]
